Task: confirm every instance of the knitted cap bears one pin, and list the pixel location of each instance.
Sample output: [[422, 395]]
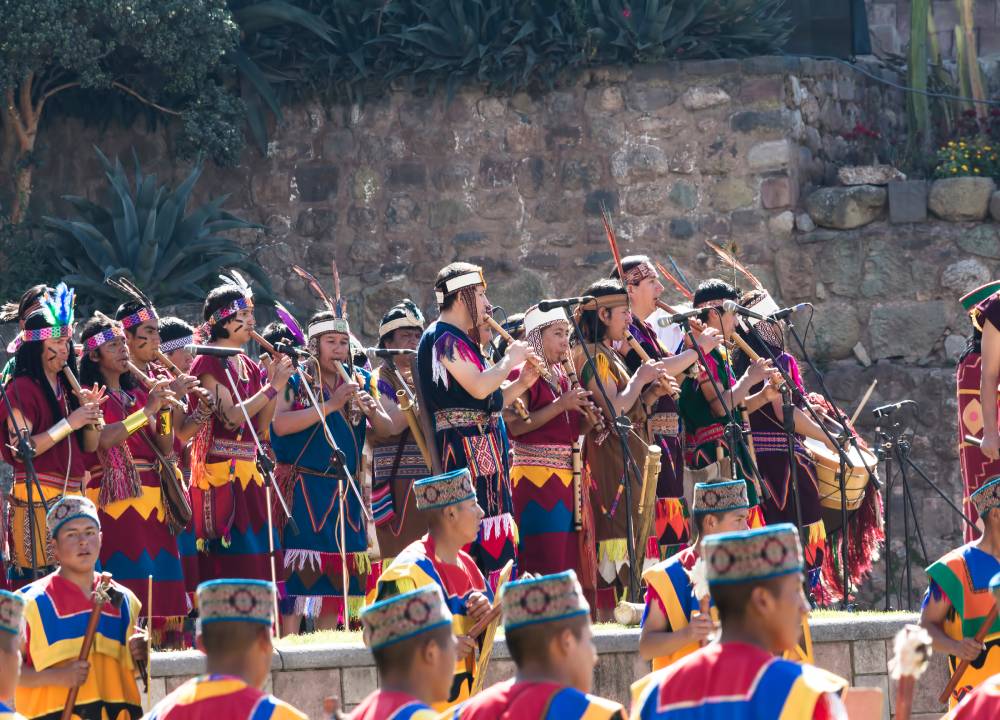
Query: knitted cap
[[542, 599], [236, 600], [720, 497], [440, 491], [405, 616], [987, 497], [11, 612], [69, 508], [752, 555]]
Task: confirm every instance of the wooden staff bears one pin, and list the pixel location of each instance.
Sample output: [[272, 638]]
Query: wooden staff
[[148, 383], [498, 329], [956, 678], [75, 384], [591, 411], [101, 597], [409, 412], [644, 356], [912, 650], [149, 639], [864, 401]]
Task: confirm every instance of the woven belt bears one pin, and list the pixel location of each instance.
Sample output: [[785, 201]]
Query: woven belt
[[664, 424], [230, 449], [446, 419], [550, 456], [74, 486], [773, 442]]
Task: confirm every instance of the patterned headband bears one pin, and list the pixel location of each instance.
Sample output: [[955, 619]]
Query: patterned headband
[[45, 333], [170, 345], [639, 273], [235, 600], [711, 303], [140, 316], [243, 303], [104, 336], [336, 325], [752, 555], [440, 491], [405, 616], [548, 598], [469, 279]]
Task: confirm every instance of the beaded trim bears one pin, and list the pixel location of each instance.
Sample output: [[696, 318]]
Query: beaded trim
[[233, 449], [170, 345], [105, 336], [232, 308], [139, 317]]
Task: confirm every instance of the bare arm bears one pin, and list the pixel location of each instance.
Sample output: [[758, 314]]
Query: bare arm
[[932, 617]]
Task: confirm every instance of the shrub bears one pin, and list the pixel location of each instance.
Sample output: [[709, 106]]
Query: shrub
[[973, 157]]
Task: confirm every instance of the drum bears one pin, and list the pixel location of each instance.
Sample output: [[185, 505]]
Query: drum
[[827, 468]]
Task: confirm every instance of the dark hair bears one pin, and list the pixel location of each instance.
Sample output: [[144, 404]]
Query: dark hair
[[28, 363], [732, 600], [591, 326], [278, 332], [173, 328], [628, 263], [231, 638], [514, 324], [398, 656], [449, 272], [129, 308], [11, 313], [90, 371], [714, 289], [531, 642], [217, 299]]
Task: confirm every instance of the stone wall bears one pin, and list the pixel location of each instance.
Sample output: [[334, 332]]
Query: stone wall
[[889, 23], [856, 649]]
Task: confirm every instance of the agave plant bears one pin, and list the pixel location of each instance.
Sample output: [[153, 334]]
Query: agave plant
[[145, 233]]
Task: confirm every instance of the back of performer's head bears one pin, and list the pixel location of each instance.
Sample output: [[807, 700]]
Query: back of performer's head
[[90, 366], [29, 302], [755, 579], [450, 272], [217, 299], [276, 332], [29, 361], [234, 627], [714, 289], [592, 322], [547, 625]]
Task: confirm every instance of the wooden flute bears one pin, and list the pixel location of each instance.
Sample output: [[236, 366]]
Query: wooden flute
[[498, 329], [644, 356], [75, 384], [148, 382], [593, 415]]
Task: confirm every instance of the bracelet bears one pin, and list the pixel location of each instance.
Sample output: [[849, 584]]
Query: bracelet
[[164, 423], [270, 392], [135, 421], [60, 431]]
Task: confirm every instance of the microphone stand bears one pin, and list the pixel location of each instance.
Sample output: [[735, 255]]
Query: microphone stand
[[26, 451], [622, 426]]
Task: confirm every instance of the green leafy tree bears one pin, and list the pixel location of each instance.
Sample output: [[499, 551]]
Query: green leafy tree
[[167, 54]]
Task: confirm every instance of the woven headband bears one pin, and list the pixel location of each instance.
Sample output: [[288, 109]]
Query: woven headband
[[606, 301], [402, 322], [469, 279], [232, 308], [711, 303], [140, 316], [337, 325], [104, 336], [639, 273], [44, 333], [170, 345]]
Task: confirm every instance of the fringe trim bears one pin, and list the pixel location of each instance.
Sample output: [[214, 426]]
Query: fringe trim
[[358, 563], [499, 527], [864, 545], [120, 480], [612, 556]]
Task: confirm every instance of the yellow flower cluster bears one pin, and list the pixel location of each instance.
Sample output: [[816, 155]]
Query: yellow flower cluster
[[967, 157]]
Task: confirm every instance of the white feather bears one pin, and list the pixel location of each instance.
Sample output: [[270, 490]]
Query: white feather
[[698, 575], [911, 652]]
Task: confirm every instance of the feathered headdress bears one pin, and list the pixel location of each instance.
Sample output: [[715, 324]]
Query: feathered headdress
[[285, 315], [730, 259], [237, 281], [336, 304], [146, 312], [57, 308]]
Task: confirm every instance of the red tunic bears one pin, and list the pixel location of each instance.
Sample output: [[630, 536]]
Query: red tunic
[[514, 700], [388, 705]]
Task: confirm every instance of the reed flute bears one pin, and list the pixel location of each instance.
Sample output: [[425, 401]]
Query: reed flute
[[75, 384], [498, 329], [644, 356], [594, 416], [148, 382]]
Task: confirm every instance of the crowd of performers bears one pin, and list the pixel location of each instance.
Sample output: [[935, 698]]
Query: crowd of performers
[[536, 467]]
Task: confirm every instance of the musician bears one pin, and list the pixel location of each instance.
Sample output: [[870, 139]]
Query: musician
[[957, 602], [977, 377], [31, 300], [702, 413], [755, 578], [396, 459], [544, 489], [410, 638], [465, 398], [234, 632], [57, 610], [331, 531], [139, 539], [453, 515], [603, 323], [547, 624], [11, 616], [58, 422], [175, 335], [644, 288], [227, 489], [984, 700], [672, 624]]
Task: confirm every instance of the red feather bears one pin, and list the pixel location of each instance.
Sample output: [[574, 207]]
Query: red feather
[[677, 283], [613, 242], [729, 258], [316, 287]]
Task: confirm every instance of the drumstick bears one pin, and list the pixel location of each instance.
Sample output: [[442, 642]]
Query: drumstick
[[864, 401], [956, 678], [498, 329], [148, 382]]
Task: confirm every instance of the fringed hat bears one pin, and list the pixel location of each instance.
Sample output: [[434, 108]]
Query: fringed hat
[[405, 314], [535, 321], [974, 297], [987, 497], [440, 491], [236, 600], [57, 307], [11, 612], [752, 555], [542, 599], [720, 497], [405, 616], [69, 508], [146, 311]]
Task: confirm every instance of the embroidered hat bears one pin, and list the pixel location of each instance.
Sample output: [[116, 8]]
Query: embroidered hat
[[752, 555], [440, 491], [994, 588], [236, 600], [405, 616], [542, 599], [987, 497], [974, 297], [405, 314], [720, 497], [11, 612], [69, 508]]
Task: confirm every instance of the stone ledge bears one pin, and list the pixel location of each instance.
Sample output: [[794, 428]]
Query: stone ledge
[[862, 627]]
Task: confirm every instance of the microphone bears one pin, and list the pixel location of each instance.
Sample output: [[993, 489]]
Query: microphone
[[290, 350], [389, 352], [684, 316], [212, 350], [546, 305], [733, 306], [885, 410]]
